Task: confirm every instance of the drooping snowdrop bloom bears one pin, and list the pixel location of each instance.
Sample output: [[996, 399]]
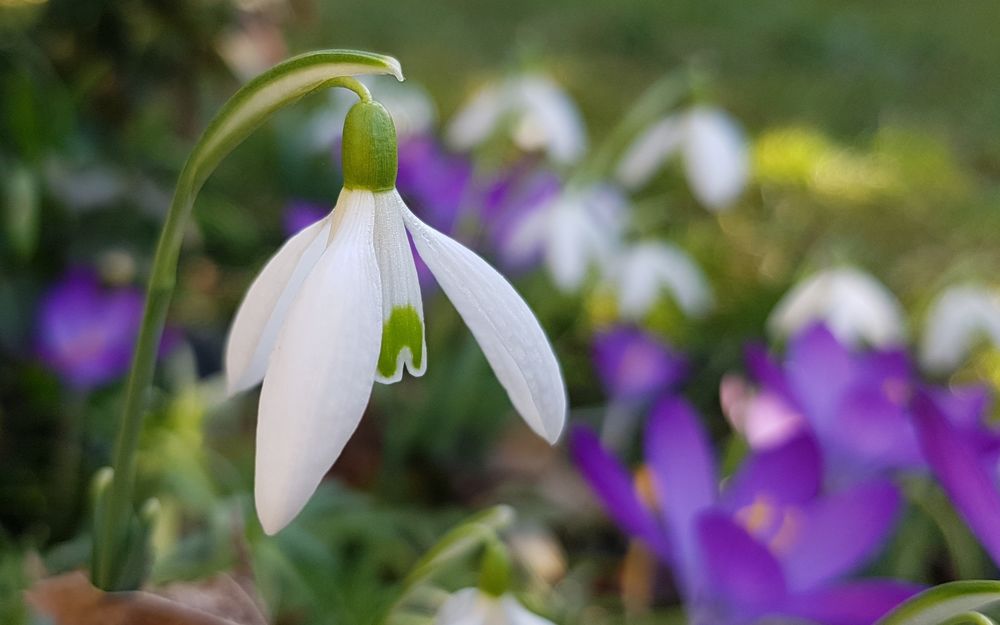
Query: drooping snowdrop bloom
[[577, 230], [645, 270], [513, 196], [541, 117], [854, 305], [339, 307], [958, 318], [712, 146], [472, 606]]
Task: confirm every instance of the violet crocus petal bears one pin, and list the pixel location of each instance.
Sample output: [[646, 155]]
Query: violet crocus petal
[[790, 474], [850, 603], [819, 370], [433, 181], [300, 214], [509, 205], [838, 533], [613, 485], [739, 571], [633, 365], [891, 366], [961, 472], [766, 371], [684, 476], [874, 431], [770, 421]]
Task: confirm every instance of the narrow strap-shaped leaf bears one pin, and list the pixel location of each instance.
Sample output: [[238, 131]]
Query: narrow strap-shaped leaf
[[945, 604]]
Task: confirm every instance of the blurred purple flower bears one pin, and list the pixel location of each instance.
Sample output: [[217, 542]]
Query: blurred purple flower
[[963, 458], [514, 196], [86, 333], [770, 544], [433, 181], [855, 403], [300, 214], [634, 365]]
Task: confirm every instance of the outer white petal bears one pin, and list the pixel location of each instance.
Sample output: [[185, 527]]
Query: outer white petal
[[549, 119], [958, 318], [402, 341], [649, 151], [855, 306], [715, 157], [260, 316], [517, 614], [322, 368], [506, 329], [647, 269], [468, 606], [480, 117]]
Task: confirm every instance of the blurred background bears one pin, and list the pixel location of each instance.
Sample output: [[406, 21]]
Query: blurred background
[[664, 182]]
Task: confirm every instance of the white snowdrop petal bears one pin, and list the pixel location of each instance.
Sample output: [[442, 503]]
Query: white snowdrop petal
[[517, 614], [467, 606], [649, 152], [322, 369], [262, 313], [716, 159], [403, 339], [647, 269], [549, 119], [959, 317], [479, 118], [856, 307], [507, 331]]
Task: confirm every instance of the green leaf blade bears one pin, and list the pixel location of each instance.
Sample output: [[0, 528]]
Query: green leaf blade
[[943, 603]]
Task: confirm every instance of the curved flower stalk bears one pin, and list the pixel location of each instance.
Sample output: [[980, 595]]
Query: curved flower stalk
[[712, 146], [576, 231], [856, 307], [339, 308], [954, 603], [115, 537], [644, 270], [770, 544], [855, 402], [959, 317], [537, 113]]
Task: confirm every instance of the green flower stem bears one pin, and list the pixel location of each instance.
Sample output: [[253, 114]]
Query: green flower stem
[[969, 618], [251, 106]]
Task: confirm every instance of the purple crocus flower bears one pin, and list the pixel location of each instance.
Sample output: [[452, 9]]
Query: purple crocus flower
[[85, 333], [300, 214], [434, 181], [634, 365], [770, 544], [963, 457]]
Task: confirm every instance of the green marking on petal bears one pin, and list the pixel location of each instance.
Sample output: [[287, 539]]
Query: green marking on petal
[[403, 329]]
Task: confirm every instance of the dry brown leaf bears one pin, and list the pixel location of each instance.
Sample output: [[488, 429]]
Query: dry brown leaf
[[70, 599]]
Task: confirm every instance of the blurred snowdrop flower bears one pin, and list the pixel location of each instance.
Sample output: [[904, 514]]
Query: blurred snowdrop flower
[[645, 270], [575, 231], [854, 305], [252, 48], [339, 308], [472, 606], [412, 109], [958, 318], [713, 148], [515, 195], [541, 115]]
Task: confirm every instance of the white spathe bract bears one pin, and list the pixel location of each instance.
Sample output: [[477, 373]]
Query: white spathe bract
[[471, 606], [542, 117], [337, 309], [645, 270], [712, 145], [575, 231], [959, 318], [855, 306]]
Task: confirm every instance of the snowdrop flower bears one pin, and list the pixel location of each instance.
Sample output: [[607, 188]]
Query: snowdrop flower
[[574, 231], [645, 270], [541, 114], [712, 146], [472, 606], [854, 305], [959, 317], [338, 308]]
